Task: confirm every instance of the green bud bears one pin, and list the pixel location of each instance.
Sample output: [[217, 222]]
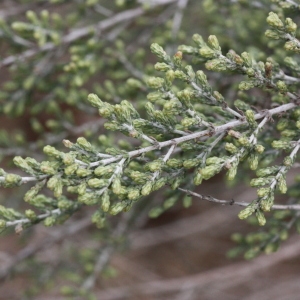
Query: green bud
[[170, 76], [292, 46], [133, 194], [69, 170], [113, 126], [267, 171], [231, 148], [247, 212], [159, 183], [187, 49], [198, 177], [154, 166], [251, 253], [187, 122], [272, 34], [106, 110], [298, 124], [281, 86], [57, 191], [201, 78], [88, 199], [259, 149], [257, 182], [274, 21], [48, 167], [81, 172], [155, 96], [181, 75], [155, 82], [250, 72], [134, 83], [31, 194], [263, 192], [116, 186], [210, 171], [105, 203], [283, 235], [163, 67], [81, 190], [214, 160], [267, 203], [68, 159], [12, 180], [198, 40], [231, 173], [190, 72], [213, 43], [82, 142], [253, 161], [98, 219], [64, 204], [247, 59], [170, 202], [246, 85], [288, 161], [218, 96], [187, 201], [282, 185], [191, 163], [117, 208], [244, 141], [174, 163], [30, 214], [250, 118], [51, 151], [207, 52], [260, 217], [49, 221], [281, 145], [290, 26], [104, 170], [94, 100], [155, 212], [158, 51], [146, 189], [217, 65], [22, 164], [67, 143], [97, 183]]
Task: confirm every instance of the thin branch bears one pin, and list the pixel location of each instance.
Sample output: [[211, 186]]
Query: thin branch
[[232, 202], [195, 135], [84, 31]]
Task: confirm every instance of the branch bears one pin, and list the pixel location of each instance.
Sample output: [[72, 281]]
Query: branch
[[232, 202], [84, 31]]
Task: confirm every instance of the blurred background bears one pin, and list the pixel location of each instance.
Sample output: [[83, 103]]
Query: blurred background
[[52, 55]]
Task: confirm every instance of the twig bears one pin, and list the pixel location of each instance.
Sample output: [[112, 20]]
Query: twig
[[232, 202], [84, 31]]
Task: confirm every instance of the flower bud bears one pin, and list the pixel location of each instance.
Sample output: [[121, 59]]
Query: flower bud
[[257, 182], [260, 217], [94, 100], [69, 170], [214, 43], [97, 183], [231, 148], [272, 34], [207, 52], [290, 26], [155, 82], [105, 203], [246, 212], [158, 51], [217, 65], [201, 77], [146, 189], [117, 208], [81, 172], [274, 21], [82, 142]]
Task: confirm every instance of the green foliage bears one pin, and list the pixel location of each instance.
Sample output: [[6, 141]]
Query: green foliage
[[180, 125]]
